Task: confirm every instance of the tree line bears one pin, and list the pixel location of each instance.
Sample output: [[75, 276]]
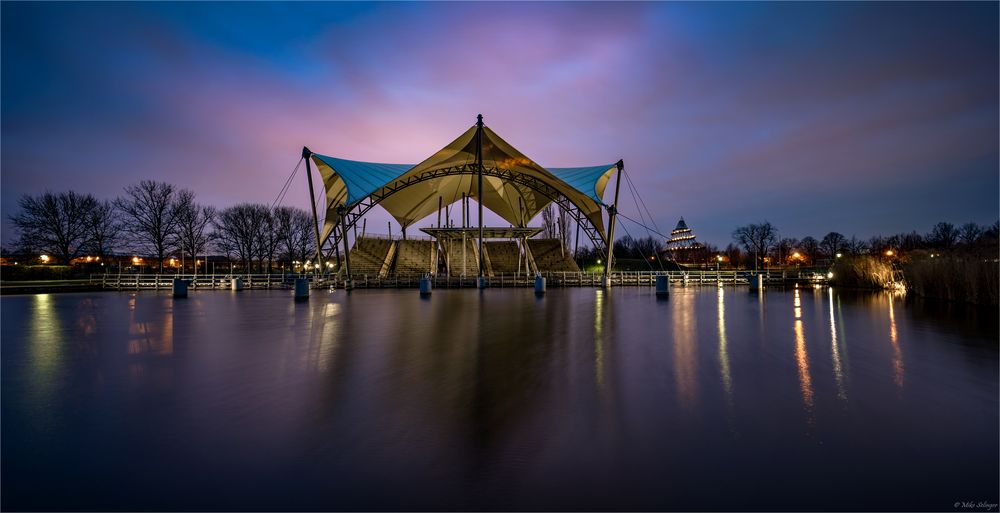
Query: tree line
[[158, 220], [758, 244]]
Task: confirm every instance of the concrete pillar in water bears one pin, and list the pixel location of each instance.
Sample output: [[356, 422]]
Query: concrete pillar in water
[[662, 285], [425, 285], [301, 289], [349, 284], [180, 287], [481, 282], [539, 284], [756, 282], [237, 284], [606, 282]]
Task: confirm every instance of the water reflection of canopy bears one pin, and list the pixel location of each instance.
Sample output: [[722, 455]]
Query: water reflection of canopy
[[514, 186]]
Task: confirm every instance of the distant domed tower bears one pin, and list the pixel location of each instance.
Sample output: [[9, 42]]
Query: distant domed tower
[[682, 241]]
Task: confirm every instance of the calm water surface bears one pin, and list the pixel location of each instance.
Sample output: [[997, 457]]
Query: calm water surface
[[583, 399]]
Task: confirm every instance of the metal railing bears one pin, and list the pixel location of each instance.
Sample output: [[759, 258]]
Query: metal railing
[[200, 281], [501, 280]]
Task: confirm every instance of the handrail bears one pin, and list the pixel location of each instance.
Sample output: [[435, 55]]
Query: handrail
[[499, 279]]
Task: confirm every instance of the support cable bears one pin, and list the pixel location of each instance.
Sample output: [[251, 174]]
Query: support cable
[[640, 252], [636, 199], [650, 216], [640, 224], [288, 183]]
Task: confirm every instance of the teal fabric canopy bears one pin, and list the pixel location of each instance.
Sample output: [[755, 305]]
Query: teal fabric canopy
[[588, 180], [363, 178]]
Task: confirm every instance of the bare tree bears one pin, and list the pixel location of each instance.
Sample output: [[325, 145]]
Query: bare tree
[[295, 238], [992, 233], [236, 232], [969, 233], [784, 248], [194, 223], [284, 228], [756, 238], [241, 230], [943, 235], [105, 228], [562, 223], [647, 247], [832, 244], [624, 247], [809, 247], [878, 244], [855, 246], [269, 237], [549, 224], [910, 241], [151, 217], [56, 224], [305, 238], [734, 255]]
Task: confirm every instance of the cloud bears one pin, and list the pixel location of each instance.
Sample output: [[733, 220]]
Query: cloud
[[723, 112]]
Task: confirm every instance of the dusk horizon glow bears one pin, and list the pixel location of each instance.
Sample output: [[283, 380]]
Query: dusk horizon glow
[[862, 118]]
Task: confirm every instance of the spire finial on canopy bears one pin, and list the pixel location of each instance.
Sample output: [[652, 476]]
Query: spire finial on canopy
[[479, 120]]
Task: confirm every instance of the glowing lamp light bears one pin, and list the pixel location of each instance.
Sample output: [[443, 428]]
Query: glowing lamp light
[[829, 275], [888, 252], [718, 257], [136, 260], [598, 260], [839, 255], [796, 255], [44, 258]]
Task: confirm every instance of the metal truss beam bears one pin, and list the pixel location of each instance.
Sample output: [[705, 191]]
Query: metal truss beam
[[358, 210]]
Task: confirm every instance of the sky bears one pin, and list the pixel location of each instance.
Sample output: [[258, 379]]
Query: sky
[[862, 118]]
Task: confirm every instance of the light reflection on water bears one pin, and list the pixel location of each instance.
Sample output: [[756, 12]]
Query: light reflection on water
[[897, 357], [581, 399], [802, 357], [685, 347], [727, 379], [599, 299], [838, 368]]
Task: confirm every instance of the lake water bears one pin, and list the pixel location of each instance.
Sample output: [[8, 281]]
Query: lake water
[[583, 399]]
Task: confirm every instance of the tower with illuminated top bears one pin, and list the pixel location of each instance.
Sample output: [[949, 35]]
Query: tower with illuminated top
[[682, 242]]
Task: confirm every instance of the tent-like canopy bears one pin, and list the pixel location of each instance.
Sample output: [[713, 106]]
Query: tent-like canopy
[[514, 186]]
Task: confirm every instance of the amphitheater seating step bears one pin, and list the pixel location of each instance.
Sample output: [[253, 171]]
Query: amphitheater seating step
[[550, 256]]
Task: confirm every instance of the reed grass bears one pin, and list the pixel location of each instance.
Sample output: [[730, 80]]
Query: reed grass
[[965, 279], [962, 278], [863, 272]]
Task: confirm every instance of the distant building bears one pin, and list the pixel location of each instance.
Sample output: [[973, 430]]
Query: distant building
[[682, 243]]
